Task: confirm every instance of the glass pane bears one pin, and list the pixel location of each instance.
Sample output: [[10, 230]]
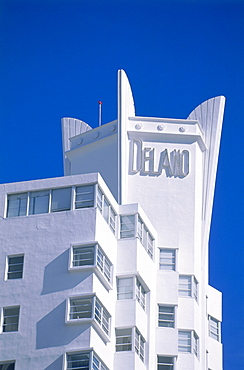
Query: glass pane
[[127, 226], [84, 196], [140, 229], [106, 210], [17, 205], [185, 286], [107, 269], [15, 267], [125, 288], [99, 199], [10, 319], [98, 311], [100, 257], [166, 316], [61, 200], [39, 202], [150, 244], [184, 341], [105, 321], [123, 340], [83, 256], [7, 366], [165, 363], [79, 361], [167, 259], [80, 308], [112, 220]]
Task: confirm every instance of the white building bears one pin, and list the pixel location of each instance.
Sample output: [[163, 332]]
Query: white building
[[107, 267]]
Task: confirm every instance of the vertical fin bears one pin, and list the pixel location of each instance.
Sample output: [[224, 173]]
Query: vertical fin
[[210, 116], [126, 109]]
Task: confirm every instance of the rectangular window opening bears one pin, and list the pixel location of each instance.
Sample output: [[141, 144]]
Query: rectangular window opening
[[15, 266], [165, 363], [84, 196], [167, 259], [10, 319], [166, 316]]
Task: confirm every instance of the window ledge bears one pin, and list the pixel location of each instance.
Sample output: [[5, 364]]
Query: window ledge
[[95, 270], [94, 324]]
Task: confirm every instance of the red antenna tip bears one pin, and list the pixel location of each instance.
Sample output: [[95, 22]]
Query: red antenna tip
[[100, 102]]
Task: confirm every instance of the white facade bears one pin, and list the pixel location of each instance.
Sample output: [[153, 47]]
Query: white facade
[[107, 267]]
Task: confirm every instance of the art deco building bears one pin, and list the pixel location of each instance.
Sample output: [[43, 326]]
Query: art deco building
[[107, 266]]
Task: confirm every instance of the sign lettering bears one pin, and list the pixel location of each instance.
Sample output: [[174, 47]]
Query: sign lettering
[[143, 160]]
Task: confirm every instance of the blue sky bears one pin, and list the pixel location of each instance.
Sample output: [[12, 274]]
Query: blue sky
[[59, 57]]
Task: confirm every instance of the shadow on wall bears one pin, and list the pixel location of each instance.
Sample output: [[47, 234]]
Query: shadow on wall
[[57, 276], [51, 330], [56, 365]]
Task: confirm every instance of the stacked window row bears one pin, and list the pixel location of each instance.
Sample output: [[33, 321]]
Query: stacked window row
[[76, 197], [132, 226]]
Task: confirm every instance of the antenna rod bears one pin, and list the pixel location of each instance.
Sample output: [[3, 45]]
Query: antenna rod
[[100, 113]]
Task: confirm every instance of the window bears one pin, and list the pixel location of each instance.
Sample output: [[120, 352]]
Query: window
[[188, 342], [184, 341], [166, 316], [49, 200], [80, 308], [7, 365], [61, 200], [195, 341], [84, 361], [165, 363], [140, 294], [127, 339], [15, 267], [102, 316], [214, 328], [139, 344], [123, 340], [145, 237], [188, 286], [167, 259], [125, 288], [84, 196], [39, 202], [131, 288], [83, 256], [89, 308], [92, 255], [127, 230], [10, 319], [17, 205], [106, 210], [127, 226]]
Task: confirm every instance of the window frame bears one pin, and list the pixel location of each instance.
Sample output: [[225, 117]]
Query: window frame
[[139, 231], [3, 317], [102, 265], [172, 262], [193, 290], [92, 185], [137, 342], [100, 365], [10, 362], [100, 316], [193, 340], [7, 272], [170, 314], [165, 358], [214, 332], [138, 290], [111, 216], [26, 196]]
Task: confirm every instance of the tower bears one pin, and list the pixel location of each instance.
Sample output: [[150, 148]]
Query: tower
[[107, 267]]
